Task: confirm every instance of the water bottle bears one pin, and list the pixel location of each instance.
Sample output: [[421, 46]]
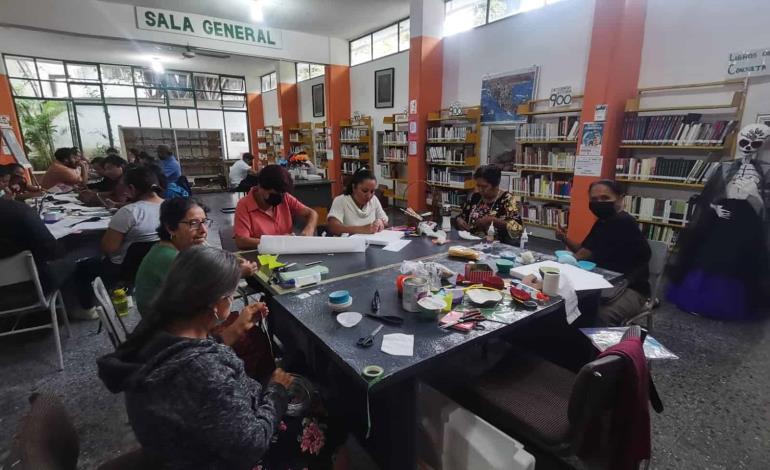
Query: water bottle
[[120, 301], [523, 240], [491, 233]]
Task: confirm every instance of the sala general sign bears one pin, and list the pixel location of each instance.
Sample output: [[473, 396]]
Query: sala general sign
[[153, 19]]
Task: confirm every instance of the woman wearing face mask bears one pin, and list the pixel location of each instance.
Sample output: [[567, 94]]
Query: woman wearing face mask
[[490, 205], [615, 243], [269, 209], [358, 210]]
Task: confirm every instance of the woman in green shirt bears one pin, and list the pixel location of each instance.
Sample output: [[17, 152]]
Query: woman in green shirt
[[183, 223]]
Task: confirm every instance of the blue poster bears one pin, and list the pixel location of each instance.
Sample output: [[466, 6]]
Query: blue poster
[[501, 95]]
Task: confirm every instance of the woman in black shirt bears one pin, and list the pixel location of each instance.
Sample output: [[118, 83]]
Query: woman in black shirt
[[615, 243]]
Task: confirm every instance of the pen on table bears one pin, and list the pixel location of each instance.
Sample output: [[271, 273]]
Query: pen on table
[[313, 263]]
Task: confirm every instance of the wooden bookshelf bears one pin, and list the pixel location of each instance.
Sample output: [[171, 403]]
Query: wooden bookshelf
[[355, 134], [672, 147], [546, 142], [662, 224], [321, 138], [535, 169], [672, 184], [538, 224], [468, 184], [535, 107]]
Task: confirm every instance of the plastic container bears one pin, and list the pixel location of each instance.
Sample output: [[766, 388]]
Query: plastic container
[[119, 300], [504, 266]]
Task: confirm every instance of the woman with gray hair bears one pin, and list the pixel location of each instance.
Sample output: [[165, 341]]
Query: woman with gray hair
[[188, 398]]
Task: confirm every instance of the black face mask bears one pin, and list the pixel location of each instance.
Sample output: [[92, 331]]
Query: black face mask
[[602, 209], [274, 199]]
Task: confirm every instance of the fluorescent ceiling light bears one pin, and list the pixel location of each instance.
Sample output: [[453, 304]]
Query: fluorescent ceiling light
[[156, 65], [256, 11]]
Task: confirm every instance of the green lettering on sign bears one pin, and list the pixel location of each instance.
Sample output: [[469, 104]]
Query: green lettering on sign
[[149, 18]]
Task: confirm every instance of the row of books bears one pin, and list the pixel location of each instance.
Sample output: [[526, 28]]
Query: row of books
[[667, 235], [296, 136], [541, 186], [689, 171], [545, 214], [454, 198], [448, 133], [298, 148], [565, 128], [455, 155], [351, 167], [320, 147], [394, 137], [350, 150], [680, 129], [452, 177], [670, 211], [540, 157], [394, 154], [353, 133]]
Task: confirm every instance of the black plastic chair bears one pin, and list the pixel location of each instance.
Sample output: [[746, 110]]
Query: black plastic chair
[[134, 256]]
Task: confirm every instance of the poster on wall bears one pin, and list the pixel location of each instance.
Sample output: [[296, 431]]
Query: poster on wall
[[588, 165], [318, 100], [501, 95], [593, 133], [237, 137], [384, 85]]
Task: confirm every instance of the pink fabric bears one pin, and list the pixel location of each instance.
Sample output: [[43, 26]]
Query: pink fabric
[[253, 222]]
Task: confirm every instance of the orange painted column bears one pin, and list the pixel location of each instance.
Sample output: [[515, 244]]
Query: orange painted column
[[256, 122], [612, 77], [337, 87], [7, 108], [288, 111], [426, 63]]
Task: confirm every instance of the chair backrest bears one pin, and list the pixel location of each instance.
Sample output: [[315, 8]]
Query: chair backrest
[[658, 262], [108, 315], [226, 239], [46, 438], [17, 269], [134, 256]]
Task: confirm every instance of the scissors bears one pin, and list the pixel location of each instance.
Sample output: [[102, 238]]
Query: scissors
[[474, 316], [367, 341], [391, 319]]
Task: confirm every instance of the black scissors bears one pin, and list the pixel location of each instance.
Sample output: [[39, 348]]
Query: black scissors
[[367, 341], [391, 319]]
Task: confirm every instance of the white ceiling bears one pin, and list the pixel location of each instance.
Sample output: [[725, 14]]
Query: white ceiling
[[345, 19]]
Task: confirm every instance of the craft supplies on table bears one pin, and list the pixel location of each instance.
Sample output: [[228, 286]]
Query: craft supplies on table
[[293, 245], [398, 344], [414, 288], [580, 278], [380, 238]]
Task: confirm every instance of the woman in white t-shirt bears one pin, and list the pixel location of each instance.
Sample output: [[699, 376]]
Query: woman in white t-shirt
[[358, 210]]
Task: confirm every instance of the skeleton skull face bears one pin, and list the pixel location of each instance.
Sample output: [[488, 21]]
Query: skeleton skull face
[[751, 138]]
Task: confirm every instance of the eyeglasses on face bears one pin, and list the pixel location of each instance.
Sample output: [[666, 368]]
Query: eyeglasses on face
[[196, 224]]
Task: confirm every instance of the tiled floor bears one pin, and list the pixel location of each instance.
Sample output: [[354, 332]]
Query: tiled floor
[[716, 395]]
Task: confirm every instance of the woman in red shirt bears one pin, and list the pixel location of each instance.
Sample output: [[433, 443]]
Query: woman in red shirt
[[269, 209]]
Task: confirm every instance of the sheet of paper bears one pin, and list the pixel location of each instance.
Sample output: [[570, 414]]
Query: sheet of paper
[[381, 238], [580, 278], [291, 245], [62, 228], [396, 246], [398, 344]]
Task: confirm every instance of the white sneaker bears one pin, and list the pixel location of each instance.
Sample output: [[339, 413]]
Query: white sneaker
[[79, 313]]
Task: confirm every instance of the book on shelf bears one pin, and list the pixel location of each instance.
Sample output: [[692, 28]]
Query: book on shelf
[[394, 137], [667, 235], [542, 158], [545, 214], [437, 154], [351, 167], [565, 128], [394, 155], [350, 150], [675, 130], [667, 211], [675, 170], [448, 133], [446, 197], [541, 186], [449, 176], [354, 133]]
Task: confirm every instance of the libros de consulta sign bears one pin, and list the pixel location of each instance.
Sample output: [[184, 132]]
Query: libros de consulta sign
[[166, 21]]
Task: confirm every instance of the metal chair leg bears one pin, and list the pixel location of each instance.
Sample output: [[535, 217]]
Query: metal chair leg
[[56, 337], [63, 310]]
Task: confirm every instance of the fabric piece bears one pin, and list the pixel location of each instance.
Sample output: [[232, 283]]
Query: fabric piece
[[60, 174], [625, 306], [171, 168], [138, 222], [151, 274], [238, 172], [712, 296], [345, 209], [398, 344], [504, 207], [252, 222], [617, 244]]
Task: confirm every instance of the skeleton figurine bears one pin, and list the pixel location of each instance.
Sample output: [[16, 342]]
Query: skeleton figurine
[[746, 182]]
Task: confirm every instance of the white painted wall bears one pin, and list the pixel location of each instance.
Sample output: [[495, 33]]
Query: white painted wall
[[106, 19], [362, 93], [270, 108], [124, 52], [305, 98], [556, 37]]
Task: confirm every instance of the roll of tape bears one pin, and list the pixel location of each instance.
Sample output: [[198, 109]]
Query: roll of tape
[[373, 372], [551, 284]]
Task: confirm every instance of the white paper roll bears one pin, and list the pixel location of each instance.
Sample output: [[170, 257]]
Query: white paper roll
[[551, 284], [290, 245]]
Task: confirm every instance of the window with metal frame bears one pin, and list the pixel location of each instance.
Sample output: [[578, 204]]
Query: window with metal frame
[[306, 71], [461, 15], [269, 81], [386, 41]]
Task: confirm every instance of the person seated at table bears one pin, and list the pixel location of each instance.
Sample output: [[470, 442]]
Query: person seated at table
[[242, 176], [18, 184], [131, 155], [615, 243], [109, 187], [269, 209], [145, 158], [97, 167], [66, 171], [135, 222], [490, 205], [5, 183], [188, 399], [169, 164], [357, 210]]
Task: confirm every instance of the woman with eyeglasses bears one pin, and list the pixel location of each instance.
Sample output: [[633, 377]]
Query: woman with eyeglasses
[[188, 398]]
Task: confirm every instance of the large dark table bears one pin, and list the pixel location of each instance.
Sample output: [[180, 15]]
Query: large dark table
[[307, 323]]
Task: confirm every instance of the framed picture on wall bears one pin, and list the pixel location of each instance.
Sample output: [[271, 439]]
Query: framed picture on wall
[[384, 82], [318, 100], [763, 118]]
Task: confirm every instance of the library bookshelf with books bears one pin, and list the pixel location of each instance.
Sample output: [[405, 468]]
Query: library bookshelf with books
[[301, 139], [355, 145], [452, 155], [270, 144], [672, 141], [544, 161], [392, 149], [321, 137]]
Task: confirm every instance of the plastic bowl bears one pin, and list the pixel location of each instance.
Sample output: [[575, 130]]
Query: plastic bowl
[[339, 297], [504, 266], [429, 308], [558, 253], [587, 265]]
